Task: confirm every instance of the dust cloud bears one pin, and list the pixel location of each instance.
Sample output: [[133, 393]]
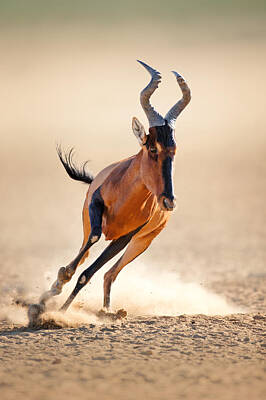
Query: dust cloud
[[140, 289], [143, 291]]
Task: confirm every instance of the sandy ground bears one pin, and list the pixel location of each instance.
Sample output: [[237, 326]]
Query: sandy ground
[[196, 299], [196, 357]]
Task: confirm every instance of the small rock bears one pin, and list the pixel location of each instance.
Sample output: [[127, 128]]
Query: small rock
[[259, 316], [146, 353], [56, 361], [196, 336]]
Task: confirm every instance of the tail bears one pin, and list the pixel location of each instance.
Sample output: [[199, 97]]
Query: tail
[[79, 174]]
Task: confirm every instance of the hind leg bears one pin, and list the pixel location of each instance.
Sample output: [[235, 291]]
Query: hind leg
[[93, 235], [65, 273]]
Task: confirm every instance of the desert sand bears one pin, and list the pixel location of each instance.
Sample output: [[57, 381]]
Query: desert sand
[[196, 357], [196, 299]]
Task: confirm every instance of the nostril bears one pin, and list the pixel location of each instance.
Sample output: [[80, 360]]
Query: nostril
[[169, 204], [165, 203]]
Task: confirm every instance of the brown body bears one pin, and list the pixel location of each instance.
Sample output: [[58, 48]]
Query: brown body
[[128, 202]]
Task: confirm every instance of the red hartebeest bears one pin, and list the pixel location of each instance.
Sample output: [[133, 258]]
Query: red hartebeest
[[129, 201]]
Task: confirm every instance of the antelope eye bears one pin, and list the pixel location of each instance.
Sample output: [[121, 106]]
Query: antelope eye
[[153, 150]]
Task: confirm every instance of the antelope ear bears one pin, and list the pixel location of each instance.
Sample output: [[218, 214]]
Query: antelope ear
[[139, 131]]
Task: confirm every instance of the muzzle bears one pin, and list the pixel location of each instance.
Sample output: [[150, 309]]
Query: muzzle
[[167, 204]]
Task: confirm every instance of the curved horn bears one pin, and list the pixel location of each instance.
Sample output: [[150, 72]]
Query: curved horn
[[155, 119], [173, 113]]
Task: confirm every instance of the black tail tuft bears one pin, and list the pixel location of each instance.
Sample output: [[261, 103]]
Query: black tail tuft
[[79, 174]]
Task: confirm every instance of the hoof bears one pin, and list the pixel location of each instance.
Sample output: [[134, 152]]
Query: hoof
[[34, 313], [120, 314]]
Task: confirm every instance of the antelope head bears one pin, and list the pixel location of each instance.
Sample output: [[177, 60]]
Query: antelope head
[[159, 145]]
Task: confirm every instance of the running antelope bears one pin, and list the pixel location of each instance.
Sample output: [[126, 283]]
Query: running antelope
[[129, 201]]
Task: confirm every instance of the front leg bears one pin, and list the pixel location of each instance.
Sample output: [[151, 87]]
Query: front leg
[[138, 244]]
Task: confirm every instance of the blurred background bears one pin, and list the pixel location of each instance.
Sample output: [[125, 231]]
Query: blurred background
[[68, 75]]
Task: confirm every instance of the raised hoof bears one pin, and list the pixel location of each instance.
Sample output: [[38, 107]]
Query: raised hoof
[[120, 314], [34, 313]]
